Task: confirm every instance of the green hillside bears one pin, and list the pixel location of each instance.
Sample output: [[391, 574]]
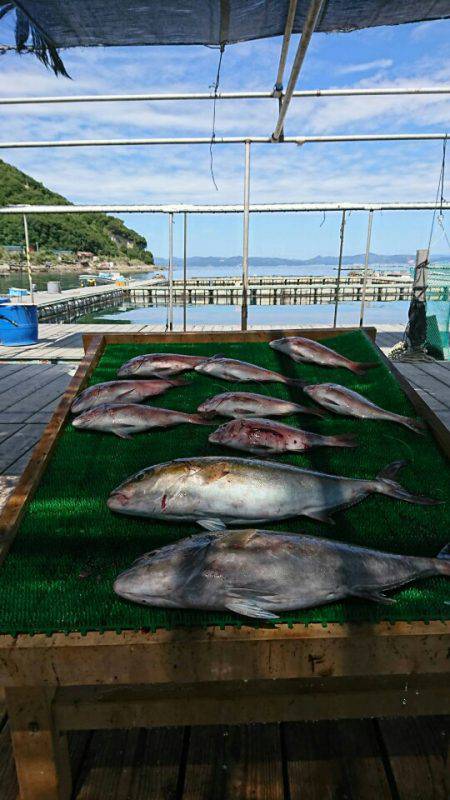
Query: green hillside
[[97, 233]]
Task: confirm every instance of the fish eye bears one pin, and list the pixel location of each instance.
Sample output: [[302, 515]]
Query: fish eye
[[140, 476]]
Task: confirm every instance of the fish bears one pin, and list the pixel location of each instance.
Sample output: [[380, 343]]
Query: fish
[[124, 419], [265, 437], [214, 491], [159, 365], [345, 401], [311, 352], [259, 573], [121, 392], [246, 404], [231, 369]]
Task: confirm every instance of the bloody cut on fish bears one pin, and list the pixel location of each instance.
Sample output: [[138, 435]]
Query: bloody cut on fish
[[157, 365], [126, 419], [215, 491], [266, 437], [308, 351], [122, 392], [246, 404], [259, 573], [231, 369], [347, 402]]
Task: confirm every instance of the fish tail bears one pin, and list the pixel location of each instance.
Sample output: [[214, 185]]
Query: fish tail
[[316, 412], [343, 440], [385, 484], [360, 367], [415, 425], [443, 560], [178, 382], [199, 419], [296, 383]]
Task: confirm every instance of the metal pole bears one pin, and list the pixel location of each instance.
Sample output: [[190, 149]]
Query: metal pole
[[255, 208], [338, 282], [170, 308], [258, 95], [299, 140], [285, 46], [312, 18], [366, 265], [246, 219], [27, 251], [184, 268]]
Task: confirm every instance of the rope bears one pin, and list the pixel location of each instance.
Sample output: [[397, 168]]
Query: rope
[[439, 202], [215, 86]]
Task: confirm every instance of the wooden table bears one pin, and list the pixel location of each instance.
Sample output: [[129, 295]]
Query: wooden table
[[202, 676]]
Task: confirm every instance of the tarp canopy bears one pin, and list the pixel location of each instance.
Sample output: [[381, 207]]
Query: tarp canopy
[[52, 24], [72, 23]]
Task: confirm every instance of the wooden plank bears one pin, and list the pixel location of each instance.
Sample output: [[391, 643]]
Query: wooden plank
[[26, 487], [8, 778], [19, 443], [232, 654], [17, 382], [41, 753], [37, 400], [30, 386], [234, 762], [142, 765], [418, 755], [329, 760]]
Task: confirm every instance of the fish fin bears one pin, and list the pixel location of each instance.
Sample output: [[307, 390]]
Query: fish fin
[[248, 607], [343, 440], [212, 524], [122, 433], [359, 368], [416, 425], [444, 560], [366, 593], [320, 516], [385, 484]]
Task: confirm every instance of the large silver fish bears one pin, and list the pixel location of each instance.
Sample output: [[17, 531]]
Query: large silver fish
[[246, 404], [214, 491], [156, 365], [230, 369], [309, 351], [124, 419], [121, 392], [345, 401], [265, 437], [260, 573]]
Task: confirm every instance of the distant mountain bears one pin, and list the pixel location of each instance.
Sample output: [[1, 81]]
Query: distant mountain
[[97, 233], [396, 259]]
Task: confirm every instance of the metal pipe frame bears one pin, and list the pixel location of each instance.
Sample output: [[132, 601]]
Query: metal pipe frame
[[184, 269], [170, 306], [312, 18], [366, 267], [339, 269], [285, 46], [245, 238], [299, 140], [256, 208], [261, 95], [27, 252]]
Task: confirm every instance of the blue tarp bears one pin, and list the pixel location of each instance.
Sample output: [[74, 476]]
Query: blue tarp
[[72, 23]]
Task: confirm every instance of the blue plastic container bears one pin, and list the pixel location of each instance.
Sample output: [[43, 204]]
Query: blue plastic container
[[18, 325]]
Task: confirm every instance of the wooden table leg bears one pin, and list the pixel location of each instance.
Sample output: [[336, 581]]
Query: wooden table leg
[[40, 750]]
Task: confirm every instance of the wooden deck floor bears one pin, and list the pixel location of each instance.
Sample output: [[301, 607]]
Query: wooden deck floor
[[405, 759]]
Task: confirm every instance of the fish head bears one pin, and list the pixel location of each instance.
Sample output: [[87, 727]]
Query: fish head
[[149, 492], [225, 432], [277, 344], [79, 404], [97, 418], [209, 405], [131, 367], [319, 390], [160, 577]]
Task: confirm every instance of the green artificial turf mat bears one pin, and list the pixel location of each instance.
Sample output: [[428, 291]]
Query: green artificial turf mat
[[58, 575]]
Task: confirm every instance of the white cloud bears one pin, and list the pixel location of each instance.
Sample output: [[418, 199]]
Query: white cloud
[[380, 63]]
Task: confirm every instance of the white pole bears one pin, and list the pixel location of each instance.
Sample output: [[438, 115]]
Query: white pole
[[27, 251], [259, 95], [309, 25], [285, 46], [246, 220], [170, 308], [338, 282], [366, 266], [184, 270], [255, 208]]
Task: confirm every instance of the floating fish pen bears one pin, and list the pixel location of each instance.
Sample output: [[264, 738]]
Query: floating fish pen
[[71, 308]]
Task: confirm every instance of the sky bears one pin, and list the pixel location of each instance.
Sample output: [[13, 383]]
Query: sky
[[407, 55]]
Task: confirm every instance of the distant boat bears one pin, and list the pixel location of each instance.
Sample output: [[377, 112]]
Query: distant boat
[[102, 279]]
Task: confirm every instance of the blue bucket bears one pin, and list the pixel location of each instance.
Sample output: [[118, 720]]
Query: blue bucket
[[18, 325]]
